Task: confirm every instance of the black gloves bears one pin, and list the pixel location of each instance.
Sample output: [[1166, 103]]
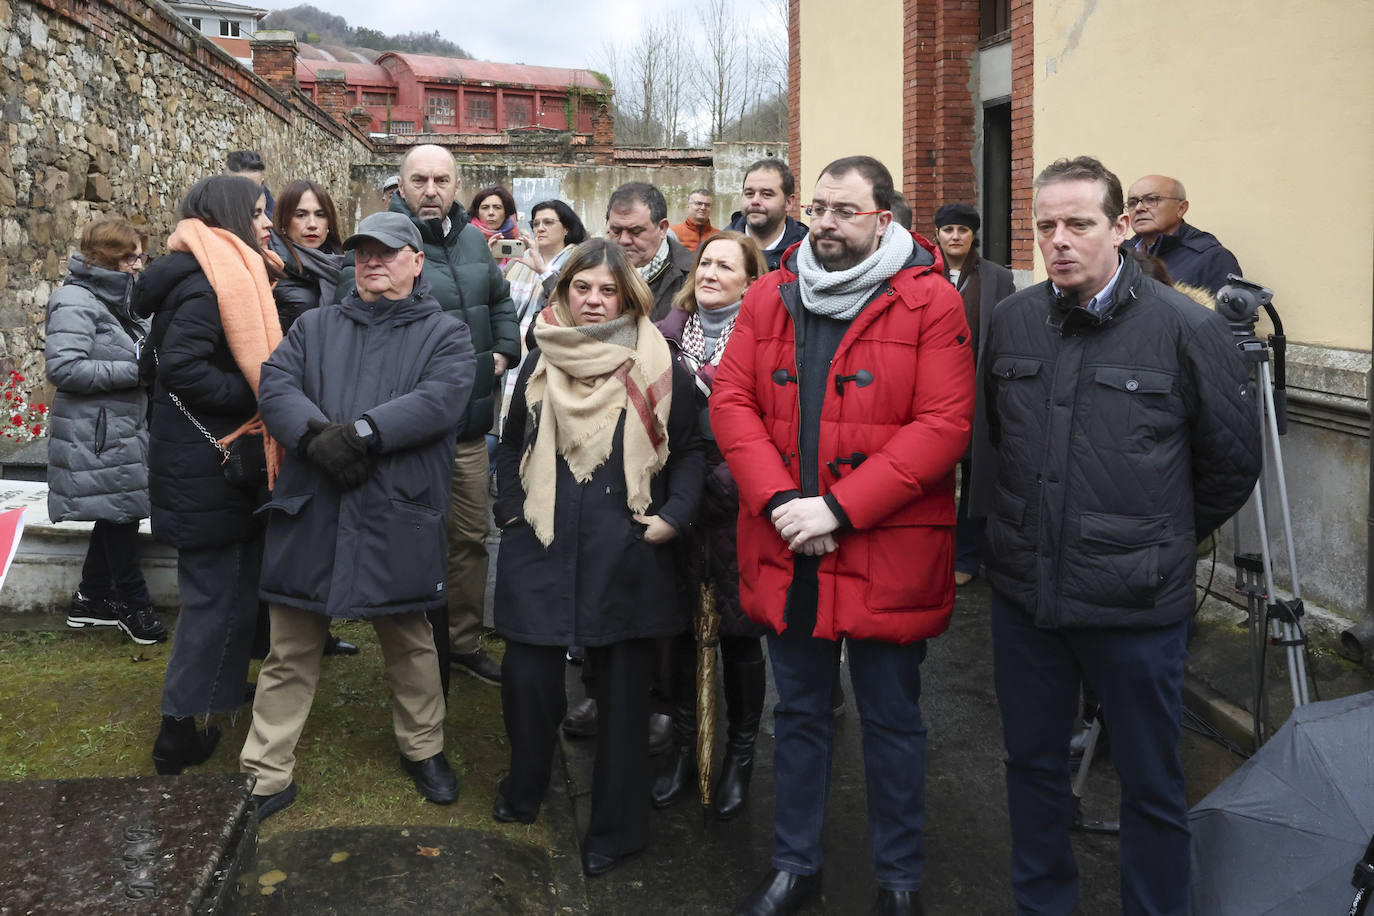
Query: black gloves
[[338, 451]]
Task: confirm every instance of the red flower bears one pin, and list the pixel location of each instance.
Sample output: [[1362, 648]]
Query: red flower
[[38, 430], [42, 408], [16, 420]]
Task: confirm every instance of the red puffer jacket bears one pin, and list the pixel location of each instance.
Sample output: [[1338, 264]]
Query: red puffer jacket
[[892, 578]]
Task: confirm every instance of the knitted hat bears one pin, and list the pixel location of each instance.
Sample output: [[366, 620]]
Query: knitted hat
[[958, 215]]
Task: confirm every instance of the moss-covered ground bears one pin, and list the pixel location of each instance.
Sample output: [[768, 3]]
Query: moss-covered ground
[[77, 703]]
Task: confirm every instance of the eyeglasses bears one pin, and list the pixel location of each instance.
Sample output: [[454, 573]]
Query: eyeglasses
[[546, 223], [1149, 200], [385, 255], [841, 214], [134, 260]]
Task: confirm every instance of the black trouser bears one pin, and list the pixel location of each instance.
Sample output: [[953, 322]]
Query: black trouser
[[534, 701], [112, 565], [213, 641]]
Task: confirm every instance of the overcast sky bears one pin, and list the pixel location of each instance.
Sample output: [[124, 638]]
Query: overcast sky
[[552, 33]]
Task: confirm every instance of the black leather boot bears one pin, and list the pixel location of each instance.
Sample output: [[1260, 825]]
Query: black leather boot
[[180, 745], [744, 691], [681, 769]]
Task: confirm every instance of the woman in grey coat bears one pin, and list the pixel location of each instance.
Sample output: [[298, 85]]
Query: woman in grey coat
[[98, 450]]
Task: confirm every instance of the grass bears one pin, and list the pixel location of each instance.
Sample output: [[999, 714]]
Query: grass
[[78, 703]]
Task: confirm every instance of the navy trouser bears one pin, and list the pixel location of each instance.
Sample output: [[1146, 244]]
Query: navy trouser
[[1138, 677], [887, 690], [968, 529]]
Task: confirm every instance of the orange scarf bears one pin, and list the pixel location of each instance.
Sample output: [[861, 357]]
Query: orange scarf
[[238, 275]]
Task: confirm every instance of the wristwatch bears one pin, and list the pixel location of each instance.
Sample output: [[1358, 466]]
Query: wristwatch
[[362, 427]]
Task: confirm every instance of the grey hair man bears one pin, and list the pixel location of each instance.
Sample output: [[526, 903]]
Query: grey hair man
[[637, 221]]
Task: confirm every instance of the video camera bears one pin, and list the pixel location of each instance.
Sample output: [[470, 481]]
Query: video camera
[[1239, 302]]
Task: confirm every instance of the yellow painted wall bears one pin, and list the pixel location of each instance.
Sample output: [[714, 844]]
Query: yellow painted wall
[[1263, 109], [851, 85]]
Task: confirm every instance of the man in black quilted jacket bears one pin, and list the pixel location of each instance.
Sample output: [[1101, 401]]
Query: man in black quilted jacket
[[1125, 429]]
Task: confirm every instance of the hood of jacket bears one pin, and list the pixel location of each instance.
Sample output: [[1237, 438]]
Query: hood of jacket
[[395, 312], [114, 288]]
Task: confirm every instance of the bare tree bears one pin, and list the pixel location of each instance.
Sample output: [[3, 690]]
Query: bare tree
[[721, 80]]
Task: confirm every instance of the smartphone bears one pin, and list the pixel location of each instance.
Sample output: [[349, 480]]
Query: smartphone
[[510, 248]]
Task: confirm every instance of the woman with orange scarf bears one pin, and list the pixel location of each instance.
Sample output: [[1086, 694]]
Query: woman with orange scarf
[[214, 323]]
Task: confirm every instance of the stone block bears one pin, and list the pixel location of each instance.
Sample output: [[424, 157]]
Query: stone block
[[148, 844], [98, 188]]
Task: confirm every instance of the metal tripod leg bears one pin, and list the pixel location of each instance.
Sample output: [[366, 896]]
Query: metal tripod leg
[[1080, 781]]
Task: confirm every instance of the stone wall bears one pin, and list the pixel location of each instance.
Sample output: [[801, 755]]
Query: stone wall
[[114, 108]]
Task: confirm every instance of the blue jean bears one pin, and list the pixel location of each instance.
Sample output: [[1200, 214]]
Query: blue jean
[[1138, 676], [887, 689]]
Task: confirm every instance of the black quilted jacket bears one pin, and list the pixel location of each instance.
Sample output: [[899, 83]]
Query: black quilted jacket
[[1121, 441]]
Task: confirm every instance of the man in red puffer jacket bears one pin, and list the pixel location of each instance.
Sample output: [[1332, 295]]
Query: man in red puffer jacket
[[842, 406]]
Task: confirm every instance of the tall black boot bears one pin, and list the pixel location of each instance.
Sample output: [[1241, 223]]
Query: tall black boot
[[744, 691], [180, 745], [680, 771]]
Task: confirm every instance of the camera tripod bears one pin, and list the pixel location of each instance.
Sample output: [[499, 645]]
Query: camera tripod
[[1272, 621]]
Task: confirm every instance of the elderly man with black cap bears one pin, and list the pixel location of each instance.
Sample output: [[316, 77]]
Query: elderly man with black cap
[[365, 397], [982, 284]]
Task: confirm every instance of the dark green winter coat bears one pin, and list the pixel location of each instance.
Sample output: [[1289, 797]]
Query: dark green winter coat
[[464, 278]]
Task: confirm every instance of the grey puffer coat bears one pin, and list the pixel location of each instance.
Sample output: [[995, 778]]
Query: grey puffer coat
[[98, 453], [379, 549], [1121, 438]]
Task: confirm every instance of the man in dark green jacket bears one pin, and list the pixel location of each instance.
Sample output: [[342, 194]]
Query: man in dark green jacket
[[464, 278]]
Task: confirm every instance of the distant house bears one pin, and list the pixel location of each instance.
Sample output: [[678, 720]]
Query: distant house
[[229, 25], [422, 93]]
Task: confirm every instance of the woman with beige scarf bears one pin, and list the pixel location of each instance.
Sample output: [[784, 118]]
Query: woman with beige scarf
[[600, 467], [214, 323]]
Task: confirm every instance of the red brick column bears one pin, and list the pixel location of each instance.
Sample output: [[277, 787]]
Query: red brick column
[[939, 41], [331, 93], [1022, 134], [274, 59], [603, 136], [794, 92]]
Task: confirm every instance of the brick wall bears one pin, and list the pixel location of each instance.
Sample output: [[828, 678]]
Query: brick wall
[[1022, 134]]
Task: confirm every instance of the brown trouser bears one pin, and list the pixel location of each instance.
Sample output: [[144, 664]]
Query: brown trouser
[[469, 521], [287, 681]]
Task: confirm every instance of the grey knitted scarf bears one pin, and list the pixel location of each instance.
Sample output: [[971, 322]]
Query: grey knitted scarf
[[842, 294]]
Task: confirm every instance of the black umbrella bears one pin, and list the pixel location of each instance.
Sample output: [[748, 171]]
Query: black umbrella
[[1283, 833]]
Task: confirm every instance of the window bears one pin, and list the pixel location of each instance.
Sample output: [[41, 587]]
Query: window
[[439, 108], [519, 110], [994, 18], [481, 110], [228, 29], [195, 22], [402, 127], [376, 99]]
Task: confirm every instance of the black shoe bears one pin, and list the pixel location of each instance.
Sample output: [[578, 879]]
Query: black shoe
[[595, 864], [434, 778], [479, 665], [333, 645], [180, 745], [676, 777], [92, 612], [733, 789], [780, 893], [503, 812], [660, 733], [580, 722], [140, 623], [897, 903], [269, 805], [576, 655]]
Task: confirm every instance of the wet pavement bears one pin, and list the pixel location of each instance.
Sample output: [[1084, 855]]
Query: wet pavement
[[697, 865]]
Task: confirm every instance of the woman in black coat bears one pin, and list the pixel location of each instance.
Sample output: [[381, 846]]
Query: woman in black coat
[[599, 469], [698, 330], [213, 324]]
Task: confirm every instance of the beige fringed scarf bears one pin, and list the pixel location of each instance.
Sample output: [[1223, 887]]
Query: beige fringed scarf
[[246, 309], [575, 396]]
